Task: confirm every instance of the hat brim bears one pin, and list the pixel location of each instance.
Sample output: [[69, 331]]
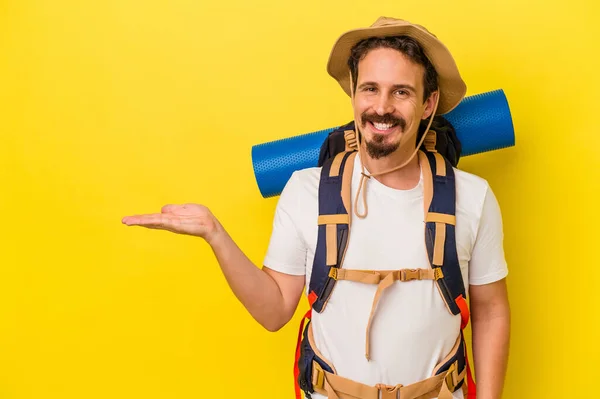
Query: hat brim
[[452, 87]]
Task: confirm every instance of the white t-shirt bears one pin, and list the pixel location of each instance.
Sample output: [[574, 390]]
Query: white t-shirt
[[412, 330]]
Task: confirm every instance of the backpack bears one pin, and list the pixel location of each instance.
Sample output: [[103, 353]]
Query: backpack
[[439, 153]]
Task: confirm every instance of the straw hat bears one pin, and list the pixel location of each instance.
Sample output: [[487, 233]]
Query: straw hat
[[452, 87]]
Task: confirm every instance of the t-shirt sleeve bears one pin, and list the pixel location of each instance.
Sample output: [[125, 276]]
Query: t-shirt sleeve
[[488, 263], [286, 252]]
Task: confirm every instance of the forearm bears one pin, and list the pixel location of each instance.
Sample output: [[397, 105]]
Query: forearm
[[254, 288], [491, 336]]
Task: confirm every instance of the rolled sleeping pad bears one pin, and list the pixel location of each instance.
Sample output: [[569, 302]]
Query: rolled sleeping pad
[[482, 123]]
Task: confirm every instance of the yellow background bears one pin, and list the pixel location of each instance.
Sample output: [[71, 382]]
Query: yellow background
[[115, 107]]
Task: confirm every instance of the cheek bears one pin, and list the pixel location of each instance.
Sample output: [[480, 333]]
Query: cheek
[[409, 110], [409, 105], [360, 107]]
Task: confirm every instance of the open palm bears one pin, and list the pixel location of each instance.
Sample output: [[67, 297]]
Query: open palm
[[190, 219]]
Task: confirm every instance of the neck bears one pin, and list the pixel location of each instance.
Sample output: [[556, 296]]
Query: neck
[[404, 178]]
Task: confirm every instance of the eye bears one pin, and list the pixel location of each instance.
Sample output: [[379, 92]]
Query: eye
[[402, 92]]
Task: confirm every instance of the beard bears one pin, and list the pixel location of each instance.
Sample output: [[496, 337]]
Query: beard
[[377, 147]]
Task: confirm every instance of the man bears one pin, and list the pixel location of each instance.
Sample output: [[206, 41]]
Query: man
[[372, 343]]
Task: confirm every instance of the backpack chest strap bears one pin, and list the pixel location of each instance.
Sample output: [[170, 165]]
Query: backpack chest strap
[[384, 279]]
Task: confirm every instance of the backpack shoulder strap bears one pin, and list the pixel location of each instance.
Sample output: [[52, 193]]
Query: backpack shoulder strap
[[440, 233], [333, 226]]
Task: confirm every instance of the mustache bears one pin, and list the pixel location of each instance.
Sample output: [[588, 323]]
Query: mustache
[[387, 119]]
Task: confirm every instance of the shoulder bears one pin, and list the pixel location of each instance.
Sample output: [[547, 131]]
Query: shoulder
[[303, 183], [480, 214], [293, 223], [471, 192], [470, 182], [476, 203], [300, 194], [477, 206]]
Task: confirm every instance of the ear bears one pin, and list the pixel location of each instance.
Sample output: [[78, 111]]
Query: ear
[[430, 104]]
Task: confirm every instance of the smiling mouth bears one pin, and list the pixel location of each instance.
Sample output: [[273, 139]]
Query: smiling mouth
[[382, 127]]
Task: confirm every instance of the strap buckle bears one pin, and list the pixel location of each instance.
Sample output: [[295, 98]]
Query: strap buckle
[[388, 391], [450, 377], [333, 272], [430, 141], [318, 377], [410, 274], [350, 139], [453, 377]]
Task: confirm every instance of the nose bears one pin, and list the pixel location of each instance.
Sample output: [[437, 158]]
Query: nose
[[384, 105]]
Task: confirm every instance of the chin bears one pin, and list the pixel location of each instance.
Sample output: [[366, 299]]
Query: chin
[[380, 147], [385, 139], [378, 151]]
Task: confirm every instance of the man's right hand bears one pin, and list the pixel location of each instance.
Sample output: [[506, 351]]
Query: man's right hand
[[190, 219], [269, 296]]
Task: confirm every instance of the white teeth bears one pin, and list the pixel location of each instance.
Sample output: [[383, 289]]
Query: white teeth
[[382, 126]]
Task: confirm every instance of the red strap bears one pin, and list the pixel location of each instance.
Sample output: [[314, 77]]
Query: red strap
[[312, 297], [464, 317], [297, 357], [464, 311], [471, 387]]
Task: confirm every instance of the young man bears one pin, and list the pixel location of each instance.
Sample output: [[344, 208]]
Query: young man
[[389, 337]]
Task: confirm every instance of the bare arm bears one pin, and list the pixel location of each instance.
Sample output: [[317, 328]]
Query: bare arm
[[491, 335], [269, 296]]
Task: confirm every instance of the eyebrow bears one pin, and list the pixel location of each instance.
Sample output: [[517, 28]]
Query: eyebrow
[[394, 87]]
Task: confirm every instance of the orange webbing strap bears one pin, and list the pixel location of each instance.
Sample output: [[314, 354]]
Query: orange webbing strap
[[440, 164], [336, 387], [377, 276], [440, 219], [350, 139], [427, 182], [331, 222], [333, 219], [334, 170], [346, 181], [430, 141], [383, 279], [312, 297], [465, 315]]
